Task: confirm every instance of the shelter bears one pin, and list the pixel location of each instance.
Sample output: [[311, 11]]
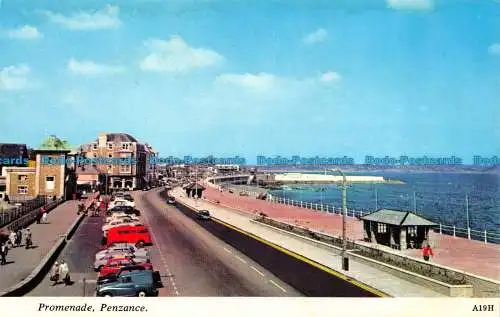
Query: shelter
[[194, 189], [396, 228]]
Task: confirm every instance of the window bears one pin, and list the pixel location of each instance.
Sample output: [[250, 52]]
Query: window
[[382, 228], [22, 178], [110, 146], [125, 168], [125, 146], [110, 155], [95, 146], [412, 230], [23, 190], [49, 183]]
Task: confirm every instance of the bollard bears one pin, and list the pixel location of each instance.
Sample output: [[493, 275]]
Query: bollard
[[301, 204], [84, 287], [316, 207], [468, 233], [440, 228], [454, 233], [485, 237]]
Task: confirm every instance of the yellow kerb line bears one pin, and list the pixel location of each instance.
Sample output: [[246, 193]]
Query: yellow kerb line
[[306, 260]]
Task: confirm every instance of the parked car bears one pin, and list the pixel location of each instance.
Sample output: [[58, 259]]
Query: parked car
[[130, 284], [138, 235], [124, 209], [171, 201], [120, 222], [119, 216], [128, 197], [204, 215], [121, 202], [114, 264], [101, 260]]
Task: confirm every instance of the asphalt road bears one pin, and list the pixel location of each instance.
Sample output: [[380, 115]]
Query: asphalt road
[[195, 263], [79, 254]]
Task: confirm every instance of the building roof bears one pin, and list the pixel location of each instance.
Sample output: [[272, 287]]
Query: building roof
[[397, 218], [13, 150], [120, 137]]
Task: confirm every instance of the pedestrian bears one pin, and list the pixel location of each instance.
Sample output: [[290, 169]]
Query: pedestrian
[[19, 237], [54, 274], [427, 252], [44, 218], [29, 241], [12, 238], [64, 272], [3, 254]]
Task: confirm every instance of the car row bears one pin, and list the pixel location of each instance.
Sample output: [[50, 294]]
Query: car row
[[123, 262]]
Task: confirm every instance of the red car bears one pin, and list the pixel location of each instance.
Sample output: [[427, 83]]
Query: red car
[[138, 235], [114, 264]]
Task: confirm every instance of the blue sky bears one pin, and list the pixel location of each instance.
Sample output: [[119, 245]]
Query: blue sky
[[277, 77]]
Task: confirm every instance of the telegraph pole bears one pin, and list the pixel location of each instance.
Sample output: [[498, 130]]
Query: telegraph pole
[[345, 259]]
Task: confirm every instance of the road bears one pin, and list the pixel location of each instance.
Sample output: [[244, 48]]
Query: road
[[198, 264], [191, 260]]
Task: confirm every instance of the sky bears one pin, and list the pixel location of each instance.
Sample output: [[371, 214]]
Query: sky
[[278, 77]]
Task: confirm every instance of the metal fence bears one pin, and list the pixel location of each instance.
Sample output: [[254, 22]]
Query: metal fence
[[9, 213], [468, 233]]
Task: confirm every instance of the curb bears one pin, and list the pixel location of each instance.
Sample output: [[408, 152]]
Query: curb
[[44, 266]]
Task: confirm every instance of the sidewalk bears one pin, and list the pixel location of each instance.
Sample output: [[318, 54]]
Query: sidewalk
[[459, 253], [21, 262], [380, 280]]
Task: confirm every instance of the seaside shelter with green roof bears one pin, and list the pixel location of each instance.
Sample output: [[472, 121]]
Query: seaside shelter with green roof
[[396, 228]]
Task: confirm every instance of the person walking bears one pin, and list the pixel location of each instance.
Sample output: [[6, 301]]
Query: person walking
[[64, 272], [19, 237], [44, 218], [54, 274], [12, 238], [427, 252], [29, 241], [3, 254]]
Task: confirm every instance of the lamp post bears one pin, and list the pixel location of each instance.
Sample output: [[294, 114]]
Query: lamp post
[[345, 259]]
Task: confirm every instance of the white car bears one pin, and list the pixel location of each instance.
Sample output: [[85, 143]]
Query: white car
[[120, 216], [121, 202], [123, 248], [120, 222]]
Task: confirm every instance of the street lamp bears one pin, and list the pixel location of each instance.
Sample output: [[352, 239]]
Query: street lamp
[[345, 259]]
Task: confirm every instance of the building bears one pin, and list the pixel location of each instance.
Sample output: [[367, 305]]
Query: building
[[121, 160], [152, 170], [46, 176], [226, 168], [11, 155], [395, 228]]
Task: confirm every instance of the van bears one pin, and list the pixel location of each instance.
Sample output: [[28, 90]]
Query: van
[[137, 235], [130, 284]]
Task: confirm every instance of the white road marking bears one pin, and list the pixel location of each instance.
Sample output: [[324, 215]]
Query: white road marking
[[274, 283], [242, 260], [227, 250], [89, 281], [255, 269]]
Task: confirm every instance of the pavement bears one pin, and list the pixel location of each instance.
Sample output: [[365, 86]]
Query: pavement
[[380, 280], [455, 252], [21, 262], [191, 261]]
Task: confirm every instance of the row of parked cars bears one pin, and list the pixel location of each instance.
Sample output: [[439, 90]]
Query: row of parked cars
[[124, 262]]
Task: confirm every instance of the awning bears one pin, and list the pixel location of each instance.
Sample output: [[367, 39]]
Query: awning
[[84, 182]]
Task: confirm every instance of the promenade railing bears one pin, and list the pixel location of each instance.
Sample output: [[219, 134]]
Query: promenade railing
[[11, 212], [468, 233]]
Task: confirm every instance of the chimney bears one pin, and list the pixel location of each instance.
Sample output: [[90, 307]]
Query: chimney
[[102, 139]]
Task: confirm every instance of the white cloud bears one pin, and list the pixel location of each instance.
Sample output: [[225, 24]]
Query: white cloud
[[106, 18], [176, 55], [330, 77], [315, 37], [494, 49], [14, 77], [259, 82], [88, 68], [25, 32], [410, 4]]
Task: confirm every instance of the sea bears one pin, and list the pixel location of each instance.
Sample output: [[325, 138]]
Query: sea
[[439, 197]]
